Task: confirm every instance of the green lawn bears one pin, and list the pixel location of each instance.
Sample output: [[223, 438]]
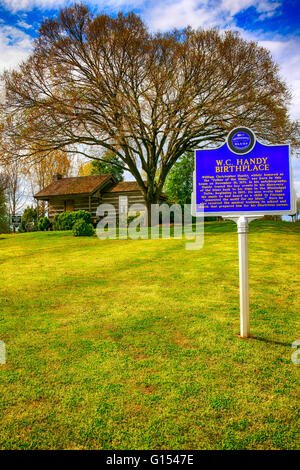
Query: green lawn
[[123, 344]]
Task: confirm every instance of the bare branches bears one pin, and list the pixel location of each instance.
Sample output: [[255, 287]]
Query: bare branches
[[109, 84]]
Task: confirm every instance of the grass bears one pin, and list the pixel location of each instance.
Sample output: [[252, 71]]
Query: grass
[[123, 344]]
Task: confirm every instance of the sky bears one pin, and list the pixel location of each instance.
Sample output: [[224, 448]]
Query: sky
[[272, 23]]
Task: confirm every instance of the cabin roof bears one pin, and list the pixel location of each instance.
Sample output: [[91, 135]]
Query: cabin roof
[[125, 186], [74, 185], [87, 185]]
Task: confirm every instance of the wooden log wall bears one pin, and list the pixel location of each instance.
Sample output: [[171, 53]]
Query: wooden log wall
[[57, 205], [133, 197]]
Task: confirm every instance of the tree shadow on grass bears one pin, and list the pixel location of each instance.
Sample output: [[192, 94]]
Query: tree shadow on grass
[[270, 341]]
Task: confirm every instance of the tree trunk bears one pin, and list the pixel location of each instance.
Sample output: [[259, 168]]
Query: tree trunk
[[149, 200], [148, 214]]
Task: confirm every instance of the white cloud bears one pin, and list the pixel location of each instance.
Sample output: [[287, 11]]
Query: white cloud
[[15, 46], [23, 24], [27, 5], [286, 53], [179, 13], [265, 7]]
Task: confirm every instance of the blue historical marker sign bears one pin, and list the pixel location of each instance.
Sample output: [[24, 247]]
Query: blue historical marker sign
[[243, 177]]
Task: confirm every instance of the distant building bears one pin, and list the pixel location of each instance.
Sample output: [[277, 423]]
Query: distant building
[[88, 192]]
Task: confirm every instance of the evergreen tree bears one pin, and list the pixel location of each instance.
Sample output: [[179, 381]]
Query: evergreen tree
[[108, 165], [29, 221], [179, 184]]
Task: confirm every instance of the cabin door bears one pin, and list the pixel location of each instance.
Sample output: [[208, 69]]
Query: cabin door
[[69, 205]]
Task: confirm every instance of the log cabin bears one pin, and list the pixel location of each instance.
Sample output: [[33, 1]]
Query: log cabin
[[87, 193]]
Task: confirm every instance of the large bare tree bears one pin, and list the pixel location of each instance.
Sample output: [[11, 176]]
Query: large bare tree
[[96, 83]]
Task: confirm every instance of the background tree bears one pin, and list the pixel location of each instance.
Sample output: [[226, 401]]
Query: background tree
[[109, 164], [13, 169], [4, 218], [179, 184], [95, 82], [41, 168], [29, 222], [85, 169]]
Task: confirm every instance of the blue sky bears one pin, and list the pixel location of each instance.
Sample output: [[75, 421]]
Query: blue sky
[[273, 23]]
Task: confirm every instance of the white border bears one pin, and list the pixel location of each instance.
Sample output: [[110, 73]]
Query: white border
[[292, 211]]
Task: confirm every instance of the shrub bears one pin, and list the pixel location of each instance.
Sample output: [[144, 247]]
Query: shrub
[[82, 229], [29, 220], [66, 220], [44, 223], [85, 215], [55, 222]]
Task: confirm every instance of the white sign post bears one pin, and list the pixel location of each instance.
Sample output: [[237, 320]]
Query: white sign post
[[243, 229], [242, 181]]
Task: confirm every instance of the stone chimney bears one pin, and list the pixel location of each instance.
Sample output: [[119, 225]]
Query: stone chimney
[[57, 176]]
